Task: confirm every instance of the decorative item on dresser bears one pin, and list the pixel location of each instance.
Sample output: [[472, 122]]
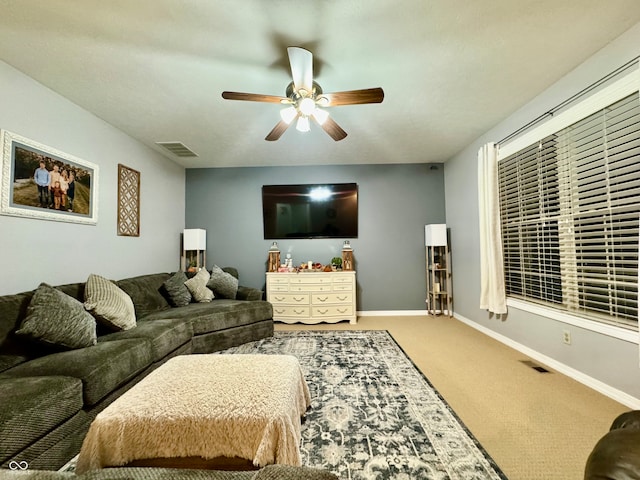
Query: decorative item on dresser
[[438, 259], [312, 297], [274, 257], [347, 256], [194, 240]]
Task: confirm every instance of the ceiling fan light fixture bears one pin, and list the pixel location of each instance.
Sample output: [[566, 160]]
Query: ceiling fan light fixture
[[320, 115], [306, 106], [305, 98], [288, 114], [303, 124]]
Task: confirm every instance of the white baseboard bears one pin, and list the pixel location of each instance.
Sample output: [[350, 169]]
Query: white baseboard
[[597, 385], [391, 313]]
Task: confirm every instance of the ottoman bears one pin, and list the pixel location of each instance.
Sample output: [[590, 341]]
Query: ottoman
[[208, 407]]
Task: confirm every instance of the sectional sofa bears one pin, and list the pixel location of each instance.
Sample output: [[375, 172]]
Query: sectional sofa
[[616, 456], [56, 375], [270, 472]]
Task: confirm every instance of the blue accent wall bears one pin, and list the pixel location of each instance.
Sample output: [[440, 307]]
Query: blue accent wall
[[395, 202]]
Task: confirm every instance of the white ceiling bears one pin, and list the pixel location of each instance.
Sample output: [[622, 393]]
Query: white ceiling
[[450, 69]]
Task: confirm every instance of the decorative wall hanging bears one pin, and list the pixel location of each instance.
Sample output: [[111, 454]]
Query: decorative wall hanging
[[128, 202], [38, 181]]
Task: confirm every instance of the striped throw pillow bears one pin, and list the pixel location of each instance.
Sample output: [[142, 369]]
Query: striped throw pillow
[[110, 305]]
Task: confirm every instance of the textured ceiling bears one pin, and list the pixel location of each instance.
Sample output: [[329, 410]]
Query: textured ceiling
[[450, 69]]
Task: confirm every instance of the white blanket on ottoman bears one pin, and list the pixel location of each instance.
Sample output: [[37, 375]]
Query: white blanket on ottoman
[[246, 406]]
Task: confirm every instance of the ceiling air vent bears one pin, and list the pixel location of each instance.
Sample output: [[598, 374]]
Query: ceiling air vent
[[179, 149]]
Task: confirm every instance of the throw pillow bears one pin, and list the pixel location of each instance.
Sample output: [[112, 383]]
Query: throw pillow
[[222, 283], [197, 285], [179, 294], [109, 303], [54, 318]]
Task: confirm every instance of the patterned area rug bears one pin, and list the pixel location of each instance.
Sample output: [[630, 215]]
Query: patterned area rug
[[374, 414]]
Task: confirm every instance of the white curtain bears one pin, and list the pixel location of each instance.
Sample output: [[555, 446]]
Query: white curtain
[[492, 288]]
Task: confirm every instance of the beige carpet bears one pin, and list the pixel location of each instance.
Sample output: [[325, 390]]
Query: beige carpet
[[536, 426]]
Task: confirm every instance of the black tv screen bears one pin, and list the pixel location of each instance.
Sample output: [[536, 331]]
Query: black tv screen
[[310, 211]]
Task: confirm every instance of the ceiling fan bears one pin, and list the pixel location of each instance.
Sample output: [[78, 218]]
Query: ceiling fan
[[306, 100]]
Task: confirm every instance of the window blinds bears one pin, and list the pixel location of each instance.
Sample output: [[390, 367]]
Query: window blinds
[[570, 208]]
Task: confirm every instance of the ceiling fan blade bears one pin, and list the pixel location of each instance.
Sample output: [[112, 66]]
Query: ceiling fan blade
[[254, 97], [352, 97], [301, 61], [334, 130], [277, 131]]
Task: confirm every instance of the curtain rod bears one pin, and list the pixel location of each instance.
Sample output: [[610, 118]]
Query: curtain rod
[[581, 93]]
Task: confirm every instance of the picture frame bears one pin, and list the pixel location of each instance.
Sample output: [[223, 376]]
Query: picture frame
[[27, 191], [128, 201]]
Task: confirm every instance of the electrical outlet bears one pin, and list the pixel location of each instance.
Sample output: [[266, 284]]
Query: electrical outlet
[[566, 337]]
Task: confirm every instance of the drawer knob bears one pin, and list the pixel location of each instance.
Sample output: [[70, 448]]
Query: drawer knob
[[323, 299], [298, 299]]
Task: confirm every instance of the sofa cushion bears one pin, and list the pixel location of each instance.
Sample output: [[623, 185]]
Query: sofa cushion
[[33, 406], [8, 361], [55, 319], [179, 295], [147, 292], [249, 293], [197, 285], [219, 315], [111, 305], [13, 309], [102, 367], [165, 335], [223, 284], [74, 290]]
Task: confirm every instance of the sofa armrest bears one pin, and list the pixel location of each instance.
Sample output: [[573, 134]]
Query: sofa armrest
[[627, 420], [248, 293], [616, 456]]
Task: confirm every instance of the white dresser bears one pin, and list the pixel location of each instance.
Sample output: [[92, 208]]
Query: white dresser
[[312, 297]]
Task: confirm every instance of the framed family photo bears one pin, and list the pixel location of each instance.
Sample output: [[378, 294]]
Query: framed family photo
[[44, 183]]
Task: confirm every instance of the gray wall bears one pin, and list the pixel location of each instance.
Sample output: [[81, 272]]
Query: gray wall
[[602, 358], [34, 251], [395, 202]]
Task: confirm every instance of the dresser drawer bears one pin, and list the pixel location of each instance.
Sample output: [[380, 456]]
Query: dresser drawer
[[338, 278], [278, 279], [290, 311], [310, 287], [277, 287], [331, 310], [342, 287], [289, 298], [331, 298], [307, 278]]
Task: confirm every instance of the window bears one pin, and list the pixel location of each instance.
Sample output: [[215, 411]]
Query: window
[[570, 208]]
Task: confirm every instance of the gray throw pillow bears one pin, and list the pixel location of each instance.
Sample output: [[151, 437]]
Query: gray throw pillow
[[55, 318], [179, 294], [197, 285], [223, 284], [109, 303]]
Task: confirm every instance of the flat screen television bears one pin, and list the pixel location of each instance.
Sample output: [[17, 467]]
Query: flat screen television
[[327, 210]]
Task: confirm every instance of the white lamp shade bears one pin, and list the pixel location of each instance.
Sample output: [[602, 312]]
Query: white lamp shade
[[435, 235], [195, 239]]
